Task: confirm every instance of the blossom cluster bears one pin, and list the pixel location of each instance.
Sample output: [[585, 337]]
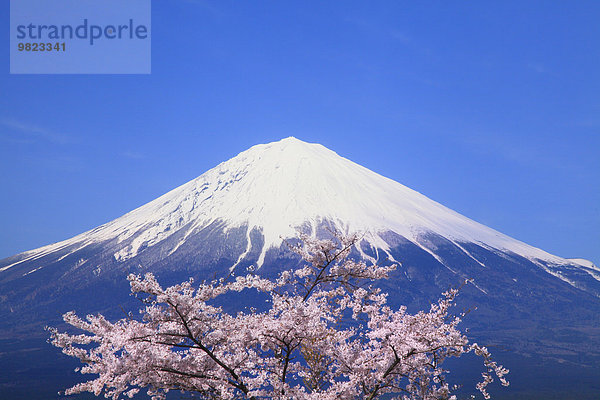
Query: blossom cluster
[[327, 334]]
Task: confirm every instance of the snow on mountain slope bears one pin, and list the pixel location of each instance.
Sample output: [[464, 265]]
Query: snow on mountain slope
[[280, 186]]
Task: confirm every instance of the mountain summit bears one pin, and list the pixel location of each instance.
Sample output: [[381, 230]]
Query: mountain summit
[[276, 188]]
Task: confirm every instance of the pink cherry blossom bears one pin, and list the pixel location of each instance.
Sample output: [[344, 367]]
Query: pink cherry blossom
[[327, 335]]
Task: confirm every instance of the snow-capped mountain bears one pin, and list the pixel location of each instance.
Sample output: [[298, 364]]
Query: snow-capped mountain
[[275, 189]]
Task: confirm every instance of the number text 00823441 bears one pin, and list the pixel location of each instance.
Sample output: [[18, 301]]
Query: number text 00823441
[[42, 46]]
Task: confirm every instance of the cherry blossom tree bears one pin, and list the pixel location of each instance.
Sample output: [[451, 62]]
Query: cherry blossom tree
[[326, 334]]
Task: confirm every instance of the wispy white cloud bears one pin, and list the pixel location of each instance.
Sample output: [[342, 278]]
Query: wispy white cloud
[[410, 42], [24, 132], [537, 67], [519, 151], [541, 69], [401, 36]]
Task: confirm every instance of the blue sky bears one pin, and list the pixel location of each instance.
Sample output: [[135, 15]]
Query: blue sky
[[491, 108]]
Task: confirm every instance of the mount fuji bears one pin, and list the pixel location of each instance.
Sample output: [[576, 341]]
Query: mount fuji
[[238, 215]]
